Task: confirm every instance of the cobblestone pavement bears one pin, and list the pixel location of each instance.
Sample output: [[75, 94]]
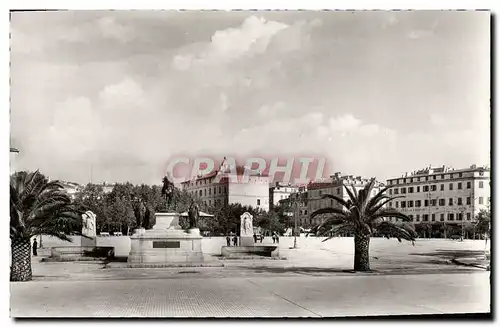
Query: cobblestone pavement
[[286, 296]]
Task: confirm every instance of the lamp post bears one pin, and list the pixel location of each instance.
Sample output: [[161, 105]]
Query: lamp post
[[295, 223]]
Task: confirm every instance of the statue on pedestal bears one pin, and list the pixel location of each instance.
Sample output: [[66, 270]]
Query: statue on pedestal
[[193, 215], [89, 226], [168, 191], [246, 224]]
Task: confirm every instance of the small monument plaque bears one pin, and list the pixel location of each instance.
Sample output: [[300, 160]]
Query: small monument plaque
[[166, 245]]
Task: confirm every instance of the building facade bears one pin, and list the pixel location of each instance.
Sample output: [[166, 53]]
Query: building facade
[[212, 189], [442, 194], [334, 186], [280, 191]]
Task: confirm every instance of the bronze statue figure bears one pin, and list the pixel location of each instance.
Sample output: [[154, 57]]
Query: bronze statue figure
[[193, 214], [167, 190], [139, 211]]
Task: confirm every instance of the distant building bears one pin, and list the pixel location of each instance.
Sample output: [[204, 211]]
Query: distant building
[[280, 191], [334, 186], [442, 194], [107, 188], [71, 188], [298, 206], [213, 189]]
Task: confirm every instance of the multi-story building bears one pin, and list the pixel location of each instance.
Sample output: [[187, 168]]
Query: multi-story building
[[280, 191], [213, 189], [334, 186], [441, 194]]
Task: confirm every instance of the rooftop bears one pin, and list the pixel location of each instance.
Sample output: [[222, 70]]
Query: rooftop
[[440, 170]]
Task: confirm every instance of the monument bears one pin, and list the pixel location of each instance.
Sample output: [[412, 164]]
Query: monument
[[167, 244], [89, 229], [247, 249], [87, 249], [246, 230]]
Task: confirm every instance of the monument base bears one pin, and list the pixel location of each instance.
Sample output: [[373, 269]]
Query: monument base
[[166, 245], [88, 241], [246, 241]]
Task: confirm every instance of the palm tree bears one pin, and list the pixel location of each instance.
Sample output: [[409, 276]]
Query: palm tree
[[362, 216], [37, 207]]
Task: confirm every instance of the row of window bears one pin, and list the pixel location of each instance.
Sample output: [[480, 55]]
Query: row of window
[[451, 217], [204, 192], [218, 201], [431, 188], [433, 202], [215, 202], [427, 178]]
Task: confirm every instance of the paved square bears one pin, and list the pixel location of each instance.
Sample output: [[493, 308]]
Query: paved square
[[297, 296]]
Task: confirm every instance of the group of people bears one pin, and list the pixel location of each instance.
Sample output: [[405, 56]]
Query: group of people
[[234, 238]]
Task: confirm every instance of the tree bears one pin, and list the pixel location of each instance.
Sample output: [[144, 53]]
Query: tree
[[483, 219], [38, 206], [363, 215], [93, 198], [269, 221], [426, 229]]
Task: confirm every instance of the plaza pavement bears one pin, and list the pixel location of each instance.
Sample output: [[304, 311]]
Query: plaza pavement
[[303, 296], [314, 280]]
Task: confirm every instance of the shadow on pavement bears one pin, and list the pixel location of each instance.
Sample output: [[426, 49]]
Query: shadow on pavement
[[451, 254]]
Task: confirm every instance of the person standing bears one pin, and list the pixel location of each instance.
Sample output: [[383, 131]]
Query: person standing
[[235, 240], [274, 238], [35, 248], [254, 238], [228, 240]]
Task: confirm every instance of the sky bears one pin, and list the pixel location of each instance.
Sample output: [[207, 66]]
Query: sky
[[377, 93]]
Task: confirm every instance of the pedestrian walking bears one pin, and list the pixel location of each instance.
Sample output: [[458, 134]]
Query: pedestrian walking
[[228, 240], [35, 248], [235, 240], [274, 238], [254, 238], [261, 238]]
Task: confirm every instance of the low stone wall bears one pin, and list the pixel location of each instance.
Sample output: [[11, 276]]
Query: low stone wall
[[210, 245], [76, 253], [243, 252]]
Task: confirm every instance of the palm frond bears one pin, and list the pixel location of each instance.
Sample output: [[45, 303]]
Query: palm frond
[[339, 230], [328, 211], [352, 196], [389, 213], [379, 196], [328, 223], [398, 231], [384, 200], [41, 207], [341, 201]]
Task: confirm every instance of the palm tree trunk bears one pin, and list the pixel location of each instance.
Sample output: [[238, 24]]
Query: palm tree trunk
[[20, 269], [361, 252]]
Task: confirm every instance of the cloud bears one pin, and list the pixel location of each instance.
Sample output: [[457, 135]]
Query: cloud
[[127, 93], [252, 38]]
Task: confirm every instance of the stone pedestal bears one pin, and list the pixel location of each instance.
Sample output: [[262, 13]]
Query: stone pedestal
[[246, 241], [89, 242], [166, 244]]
